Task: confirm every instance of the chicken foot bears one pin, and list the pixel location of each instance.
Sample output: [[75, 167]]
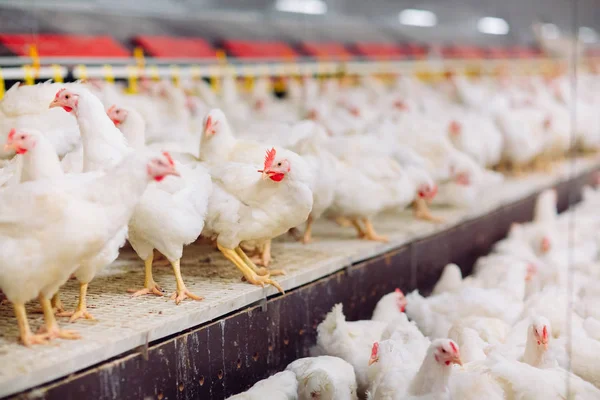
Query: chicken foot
[[150, 287], [421, 211], [51, 327], [182, 292], [81, 310], [251, 276], [370, 233], [27, 338]]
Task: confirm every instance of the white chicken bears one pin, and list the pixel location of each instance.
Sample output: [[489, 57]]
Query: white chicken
[[247, 204], [324, 378], [26, 107], [390, 307], [218, 145], [281, 386], [369, 184], [103, 146], [35, 157], [169, 215], [77, 210], [351, 341], [37, 160], [308, 140], [401, 379], [523, 381]]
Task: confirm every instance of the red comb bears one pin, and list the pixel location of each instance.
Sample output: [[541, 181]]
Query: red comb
[[455, 127], [269, 158], [545, 332], [11, 134], [169, 158], [208, 123], [374, 350], [59, 92], [454, 348], [400, 300]]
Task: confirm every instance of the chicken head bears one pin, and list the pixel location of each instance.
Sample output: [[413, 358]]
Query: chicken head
[[161, 166], [400, 300], [212, 121], [66, 99], [20, 141], [539, 329], [427, 191], [374, 354], [117, 115], [446, 352], [274, 168]]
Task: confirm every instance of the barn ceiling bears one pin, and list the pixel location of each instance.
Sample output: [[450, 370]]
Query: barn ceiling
[[344, 20]]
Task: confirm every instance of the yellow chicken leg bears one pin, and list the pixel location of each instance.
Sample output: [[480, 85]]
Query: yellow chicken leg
[[27, 338], [359, 230], [51, 328], [57, 305], [266, 254], [81, 310], [182, 292], [421, 211], [262, 255], [344, 222], [307, 238], [370, 233], [150, 287], [249, 274]]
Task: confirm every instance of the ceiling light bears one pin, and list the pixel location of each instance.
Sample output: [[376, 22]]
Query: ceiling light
[[550, 31], [414, 17], [493, 26], [302, 6], [587, 35]]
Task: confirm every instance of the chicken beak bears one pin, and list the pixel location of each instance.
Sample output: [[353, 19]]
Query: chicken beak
[[373, 360], [8, 147], [174, 172], [54, 104], [457, 360]]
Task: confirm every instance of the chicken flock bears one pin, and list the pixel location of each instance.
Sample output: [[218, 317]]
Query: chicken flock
[[87, 167], [515, 329]]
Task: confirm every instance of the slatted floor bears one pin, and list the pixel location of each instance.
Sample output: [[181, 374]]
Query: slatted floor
[[123, 323]]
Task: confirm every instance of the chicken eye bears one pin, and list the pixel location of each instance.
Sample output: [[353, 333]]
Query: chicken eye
[[22, 136], [279, 164], [443, 350], [67, 96]]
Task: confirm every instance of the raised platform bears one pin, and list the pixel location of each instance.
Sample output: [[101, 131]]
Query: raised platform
[[227, 356]]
